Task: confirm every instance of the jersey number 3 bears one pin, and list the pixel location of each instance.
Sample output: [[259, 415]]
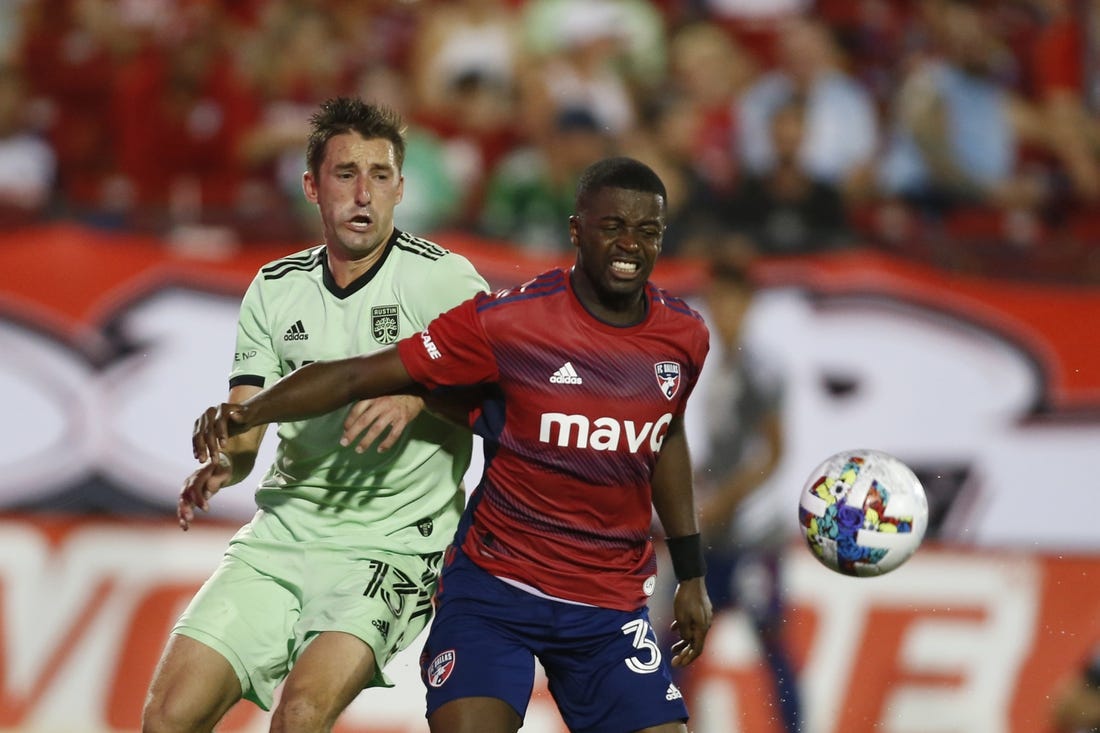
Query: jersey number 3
[[643, 640]]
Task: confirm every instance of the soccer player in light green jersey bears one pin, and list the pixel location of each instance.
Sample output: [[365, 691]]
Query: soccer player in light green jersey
[[335, 572]]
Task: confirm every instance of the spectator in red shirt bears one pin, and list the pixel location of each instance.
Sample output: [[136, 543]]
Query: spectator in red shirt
[[181, 112], [68, 53], [1060, 77]]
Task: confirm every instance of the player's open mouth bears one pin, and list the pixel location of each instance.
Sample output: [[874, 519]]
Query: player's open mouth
[[624, 267], [359, 222]]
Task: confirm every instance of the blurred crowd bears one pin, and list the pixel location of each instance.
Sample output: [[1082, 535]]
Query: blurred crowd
[[959, 128]]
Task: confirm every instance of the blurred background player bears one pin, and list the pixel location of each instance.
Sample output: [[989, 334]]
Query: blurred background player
[[736, 431], [1077, 703], [335, 573]]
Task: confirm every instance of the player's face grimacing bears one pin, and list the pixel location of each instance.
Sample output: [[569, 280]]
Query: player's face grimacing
[[356, 189], [618, 234]]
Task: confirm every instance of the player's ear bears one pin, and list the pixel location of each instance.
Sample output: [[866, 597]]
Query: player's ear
[[400, 190], [309, 186], [575, 230]]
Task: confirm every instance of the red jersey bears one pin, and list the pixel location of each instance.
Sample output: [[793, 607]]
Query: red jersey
[[576, 413]]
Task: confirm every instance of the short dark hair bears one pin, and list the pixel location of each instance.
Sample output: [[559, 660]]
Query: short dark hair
[[339, 115], [619, 172]]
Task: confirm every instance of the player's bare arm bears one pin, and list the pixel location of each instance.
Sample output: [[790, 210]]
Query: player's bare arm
[[718, 512], [674, 501], [228, 466], [313, 390]]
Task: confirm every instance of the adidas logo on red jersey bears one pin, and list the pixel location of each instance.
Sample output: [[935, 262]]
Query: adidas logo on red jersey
[[565, 375]]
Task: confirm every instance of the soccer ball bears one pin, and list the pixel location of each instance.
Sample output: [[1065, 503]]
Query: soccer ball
[[863, 512]]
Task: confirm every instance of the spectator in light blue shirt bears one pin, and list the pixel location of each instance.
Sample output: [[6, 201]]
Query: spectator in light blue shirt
[[841, 133], [957, 128]]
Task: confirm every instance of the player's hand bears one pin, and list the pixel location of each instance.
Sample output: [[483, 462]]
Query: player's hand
[[203, 483], [214, 426], [693, 613], [385, 417]]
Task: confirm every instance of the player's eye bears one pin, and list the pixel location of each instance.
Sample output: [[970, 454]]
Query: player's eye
[[643, 234]]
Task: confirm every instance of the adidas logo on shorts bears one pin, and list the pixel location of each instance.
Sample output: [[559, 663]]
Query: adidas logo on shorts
[[673, 693], [565, 375]]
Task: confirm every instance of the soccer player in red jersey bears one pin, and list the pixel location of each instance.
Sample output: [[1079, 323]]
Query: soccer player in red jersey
[[585, 373]]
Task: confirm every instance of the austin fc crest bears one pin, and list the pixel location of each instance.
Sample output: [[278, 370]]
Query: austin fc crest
[[425, 527], [668, 377], [383, 323]]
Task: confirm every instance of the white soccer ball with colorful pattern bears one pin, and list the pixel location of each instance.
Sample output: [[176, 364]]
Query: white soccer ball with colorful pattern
[[863, 512]]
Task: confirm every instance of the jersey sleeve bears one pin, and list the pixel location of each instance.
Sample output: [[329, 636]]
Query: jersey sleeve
[[700, 347], [454, 350], [254, 359], [450, 281]]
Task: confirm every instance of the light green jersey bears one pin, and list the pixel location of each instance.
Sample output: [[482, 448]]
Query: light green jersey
[[406, 500]]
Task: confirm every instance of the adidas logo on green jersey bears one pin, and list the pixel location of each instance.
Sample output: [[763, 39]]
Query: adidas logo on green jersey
[[297, 332]]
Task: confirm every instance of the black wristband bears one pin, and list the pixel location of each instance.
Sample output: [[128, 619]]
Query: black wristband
[[687, 556]]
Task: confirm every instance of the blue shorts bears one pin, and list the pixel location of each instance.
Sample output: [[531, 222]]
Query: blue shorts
[[604, 667]]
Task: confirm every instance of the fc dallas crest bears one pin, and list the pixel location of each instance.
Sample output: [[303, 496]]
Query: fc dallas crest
[[668, 377], [440, 668]]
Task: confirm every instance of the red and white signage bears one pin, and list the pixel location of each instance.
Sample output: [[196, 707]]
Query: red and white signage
[[111, 345], [952, 641]]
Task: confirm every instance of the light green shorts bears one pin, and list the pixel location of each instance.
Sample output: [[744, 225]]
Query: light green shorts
[[267, 600]]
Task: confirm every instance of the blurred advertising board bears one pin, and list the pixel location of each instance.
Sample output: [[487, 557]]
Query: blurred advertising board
[[955, 640], [111, 345]]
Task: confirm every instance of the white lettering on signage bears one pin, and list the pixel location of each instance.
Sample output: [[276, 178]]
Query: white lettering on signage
[[967, 618], [953, 631]]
